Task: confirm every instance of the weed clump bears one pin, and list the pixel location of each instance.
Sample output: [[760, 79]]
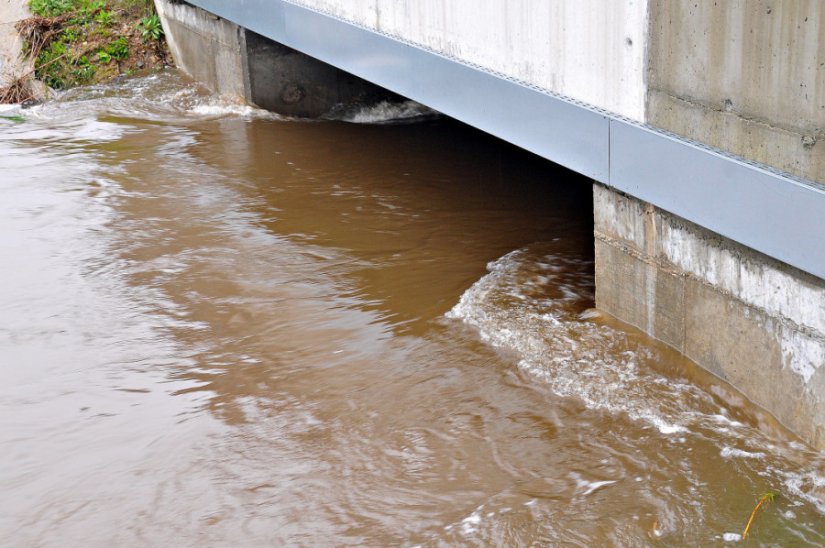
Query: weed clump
[[79, 42]]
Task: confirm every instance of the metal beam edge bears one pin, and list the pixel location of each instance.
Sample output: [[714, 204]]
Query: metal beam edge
[[779, 216]]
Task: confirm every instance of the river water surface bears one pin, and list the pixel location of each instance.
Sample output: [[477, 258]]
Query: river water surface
[[219, 327]]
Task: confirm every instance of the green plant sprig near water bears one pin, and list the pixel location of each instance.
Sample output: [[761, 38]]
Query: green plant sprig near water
[[765, 498]]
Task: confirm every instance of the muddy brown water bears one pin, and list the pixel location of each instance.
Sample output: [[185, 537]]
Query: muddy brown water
[[218, 327]]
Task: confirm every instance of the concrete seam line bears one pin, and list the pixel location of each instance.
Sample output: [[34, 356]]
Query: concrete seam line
[[668, 268], [693, 102]]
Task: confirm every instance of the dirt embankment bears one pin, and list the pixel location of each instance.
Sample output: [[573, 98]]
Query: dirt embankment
[[68, 43]]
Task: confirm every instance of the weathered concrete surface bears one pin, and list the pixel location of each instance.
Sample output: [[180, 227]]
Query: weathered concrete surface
[[753, 321], [286, 81], [746, 76], [205, 47], [247, 67], [11, 64], [592, 50]]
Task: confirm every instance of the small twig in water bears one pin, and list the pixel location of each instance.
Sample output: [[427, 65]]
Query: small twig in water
[[765, 498]]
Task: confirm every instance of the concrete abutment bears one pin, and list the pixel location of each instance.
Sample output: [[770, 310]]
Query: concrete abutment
[[752, 321], [240, 64]]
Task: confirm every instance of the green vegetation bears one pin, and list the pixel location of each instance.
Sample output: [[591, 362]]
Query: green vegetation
[[50, 8], [150, 28], [90, 8], [77, 42]]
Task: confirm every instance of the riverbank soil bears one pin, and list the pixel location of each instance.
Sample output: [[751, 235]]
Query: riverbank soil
[[69, 43]]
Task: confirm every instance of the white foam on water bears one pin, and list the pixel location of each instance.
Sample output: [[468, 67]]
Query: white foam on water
[[595, 485], [807, 485], [730, 452], [164, 96], [731, 537], [575, 358], [388, 112], [532, 307], [665, 427], [223, 109], [470, 524]]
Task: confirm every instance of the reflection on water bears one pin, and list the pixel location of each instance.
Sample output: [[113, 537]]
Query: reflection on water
[[218, 326]]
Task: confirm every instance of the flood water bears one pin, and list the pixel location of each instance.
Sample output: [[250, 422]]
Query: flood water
[[223, 328]]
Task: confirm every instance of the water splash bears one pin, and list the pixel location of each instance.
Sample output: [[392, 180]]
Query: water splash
[[574, 357], [166, 96], [532, 304], [387, 112]]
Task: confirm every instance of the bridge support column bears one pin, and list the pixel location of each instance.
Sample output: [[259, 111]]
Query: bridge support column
[[239, 63], [753, 321]]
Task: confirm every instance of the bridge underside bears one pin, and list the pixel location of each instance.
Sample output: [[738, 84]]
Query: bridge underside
[[716, 256]]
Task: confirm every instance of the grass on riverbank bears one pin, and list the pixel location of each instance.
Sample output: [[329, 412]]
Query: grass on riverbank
[[81, 42]]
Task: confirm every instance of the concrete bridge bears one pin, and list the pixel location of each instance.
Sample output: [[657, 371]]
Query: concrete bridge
[[701, 123]]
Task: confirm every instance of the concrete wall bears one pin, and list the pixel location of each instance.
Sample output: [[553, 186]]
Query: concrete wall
[[206, 47], [11, 65], [592, 50], [754, 322], [746, 76], [242, 65], [283, 80]]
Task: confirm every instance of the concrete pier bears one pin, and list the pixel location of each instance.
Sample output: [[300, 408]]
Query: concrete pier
[[241, 64], [286, 81], [206, 47], [751, 320], [747, 78]]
